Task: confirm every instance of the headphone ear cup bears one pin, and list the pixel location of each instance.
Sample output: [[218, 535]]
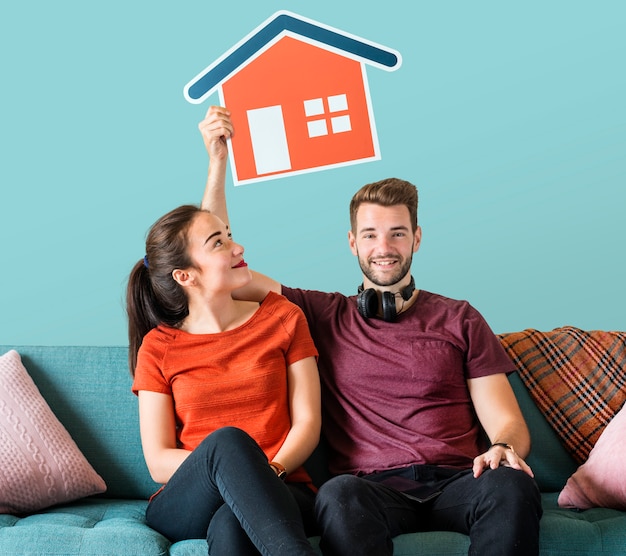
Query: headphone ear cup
[[389, 306], [367, 303], [407, 292]]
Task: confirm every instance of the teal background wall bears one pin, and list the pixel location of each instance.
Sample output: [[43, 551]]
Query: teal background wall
[[509, 117]]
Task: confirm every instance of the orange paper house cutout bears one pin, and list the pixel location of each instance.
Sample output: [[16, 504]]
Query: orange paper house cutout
[[298, 94]]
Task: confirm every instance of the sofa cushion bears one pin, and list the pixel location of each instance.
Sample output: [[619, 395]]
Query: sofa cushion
[[571, 533], [575, 377], [90, 527], [599, 482], [40, 464], [88, 389], [562, 533]]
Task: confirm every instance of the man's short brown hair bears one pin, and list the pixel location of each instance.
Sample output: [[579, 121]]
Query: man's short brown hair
[[387, 192]]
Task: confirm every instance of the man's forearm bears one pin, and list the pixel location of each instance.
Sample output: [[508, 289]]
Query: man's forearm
[[515, 435]]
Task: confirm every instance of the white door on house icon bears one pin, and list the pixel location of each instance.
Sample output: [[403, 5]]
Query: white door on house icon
[[269, 139]]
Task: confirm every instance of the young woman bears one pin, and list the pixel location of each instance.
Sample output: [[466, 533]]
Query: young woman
[[228, 390]]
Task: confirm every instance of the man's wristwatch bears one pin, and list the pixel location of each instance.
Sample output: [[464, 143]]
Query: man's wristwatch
[[504, 445], [279, 469]]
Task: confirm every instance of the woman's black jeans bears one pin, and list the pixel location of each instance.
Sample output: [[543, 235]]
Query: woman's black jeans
[[226, 492]]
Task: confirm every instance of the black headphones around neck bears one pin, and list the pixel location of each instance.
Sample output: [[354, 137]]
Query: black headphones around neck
[[367, 301]]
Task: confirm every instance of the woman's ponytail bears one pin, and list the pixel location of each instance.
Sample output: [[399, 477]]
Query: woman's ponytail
[[152, 295]]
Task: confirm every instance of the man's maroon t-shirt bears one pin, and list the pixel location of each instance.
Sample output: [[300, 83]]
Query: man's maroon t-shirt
[[395, 393]]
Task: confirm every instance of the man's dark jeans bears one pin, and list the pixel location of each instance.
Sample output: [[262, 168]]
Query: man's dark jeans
[[500, 511]]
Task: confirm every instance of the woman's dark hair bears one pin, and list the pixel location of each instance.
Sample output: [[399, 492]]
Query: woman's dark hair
[[152, 295]]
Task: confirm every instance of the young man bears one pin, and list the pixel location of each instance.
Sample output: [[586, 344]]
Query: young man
[[424, 430]]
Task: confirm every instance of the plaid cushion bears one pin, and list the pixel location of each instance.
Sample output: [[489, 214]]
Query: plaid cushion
[[576, 378]]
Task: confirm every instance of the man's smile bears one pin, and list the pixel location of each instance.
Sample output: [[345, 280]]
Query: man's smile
[[384, 262]]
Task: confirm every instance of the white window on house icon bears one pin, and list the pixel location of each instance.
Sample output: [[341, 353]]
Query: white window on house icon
[[317, 126]]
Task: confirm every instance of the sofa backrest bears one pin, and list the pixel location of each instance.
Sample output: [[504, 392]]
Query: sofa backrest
[[550, 461], [88, 389]]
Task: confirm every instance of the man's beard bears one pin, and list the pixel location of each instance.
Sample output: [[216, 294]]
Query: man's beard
[[389, 280]]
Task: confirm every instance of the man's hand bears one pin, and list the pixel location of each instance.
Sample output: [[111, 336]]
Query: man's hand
[[497, 456], [216, 129]]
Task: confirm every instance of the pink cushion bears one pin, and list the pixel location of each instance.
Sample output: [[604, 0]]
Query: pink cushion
[[40, 464], [599, 482]]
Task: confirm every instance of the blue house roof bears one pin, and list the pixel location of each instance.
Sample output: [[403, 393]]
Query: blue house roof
[[201, 86]]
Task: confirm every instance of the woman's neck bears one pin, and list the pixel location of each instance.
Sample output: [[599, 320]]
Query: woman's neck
[[216, 317]]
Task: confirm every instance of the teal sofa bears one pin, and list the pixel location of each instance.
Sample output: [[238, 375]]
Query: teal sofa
[[88, 388]]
